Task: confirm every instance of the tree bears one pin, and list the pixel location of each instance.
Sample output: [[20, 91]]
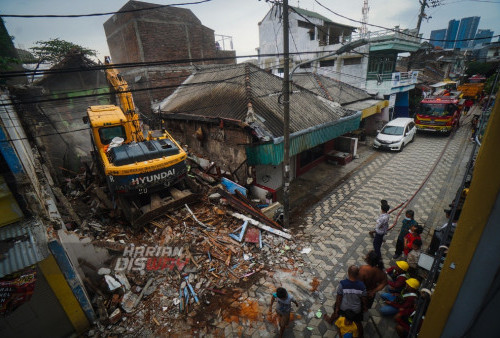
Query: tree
[[54, 50], [479, 68]]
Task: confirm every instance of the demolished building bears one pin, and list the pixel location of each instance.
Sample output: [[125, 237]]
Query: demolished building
[[233, 116]]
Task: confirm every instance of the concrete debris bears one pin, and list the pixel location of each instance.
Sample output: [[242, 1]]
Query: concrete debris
[[104, 271], [183, 267], [113, 284]]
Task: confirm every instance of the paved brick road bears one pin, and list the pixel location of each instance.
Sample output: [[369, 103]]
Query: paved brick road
[[337, 228]]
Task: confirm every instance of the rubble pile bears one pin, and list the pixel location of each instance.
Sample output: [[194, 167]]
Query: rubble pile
[[180, 272]]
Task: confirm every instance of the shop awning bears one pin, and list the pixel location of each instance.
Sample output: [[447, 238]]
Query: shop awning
[[368, 107], [272, 152]]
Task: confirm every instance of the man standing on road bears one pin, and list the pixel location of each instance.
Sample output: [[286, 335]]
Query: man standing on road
[[351, 295], [374, 278], [381, 230]]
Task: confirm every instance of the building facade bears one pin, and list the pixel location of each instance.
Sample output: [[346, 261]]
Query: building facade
[[466, 30], [371, 66], [451, 34], [309, 31], [437, 37], [483, 36]]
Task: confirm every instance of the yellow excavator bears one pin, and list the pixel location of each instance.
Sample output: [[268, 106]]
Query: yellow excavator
[[140, 171]]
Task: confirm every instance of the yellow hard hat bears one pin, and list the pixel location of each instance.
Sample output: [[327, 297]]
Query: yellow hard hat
[[413, 283], [403, 265]]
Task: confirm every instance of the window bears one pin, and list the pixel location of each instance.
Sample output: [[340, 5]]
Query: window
[[352, 61], [327, 63], [305, 65], [311, 34], [311, 28], [393, 130], [108, 133]]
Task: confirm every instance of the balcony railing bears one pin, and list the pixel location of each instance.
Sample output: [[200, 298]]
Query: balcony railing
[[223, 42], [384, 83], [383, 35]]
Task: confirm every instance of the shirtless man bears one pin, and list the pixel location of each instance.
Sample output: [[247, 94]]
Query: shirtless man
[[373, 276]]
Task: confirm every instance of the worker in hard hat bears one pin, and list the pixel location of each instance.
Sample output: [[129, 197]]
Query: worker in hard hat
[[398, 276], [403, 303]]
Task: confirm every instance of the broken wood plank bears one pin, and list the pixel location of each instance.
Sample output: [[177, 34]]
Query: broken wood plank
[[209, 167], [196, 219], [207, 178], [261, 225], [243, 206], [148, 284], [157, 224], [190, 256]]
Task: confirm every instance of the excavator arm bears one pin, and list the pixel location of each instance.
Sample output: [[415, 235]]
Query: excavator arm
[[122, 90]]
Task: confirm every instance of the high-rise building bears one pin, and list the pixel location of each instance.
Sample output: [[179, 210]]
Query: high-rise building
[[466, 30], [451, 34], [483, 36], [437, 37]]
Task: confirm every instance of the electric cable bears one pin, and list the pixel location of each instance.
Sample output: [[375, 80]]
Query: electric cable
[[398, 31], [31, 16], [9, 74]]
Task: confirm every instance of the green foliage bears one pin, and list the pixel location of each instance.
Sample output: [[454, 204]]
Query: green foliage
[[479, 68], [54, 50], [489, 84], [6, 63]]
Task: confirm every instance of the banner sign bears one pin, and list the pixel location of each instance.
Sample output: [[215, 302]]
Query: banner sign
[[16, 289]]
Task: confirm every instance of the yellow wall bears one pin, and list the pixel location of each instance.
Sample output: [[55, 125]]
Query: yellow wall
[[63, 292], [482, 195]]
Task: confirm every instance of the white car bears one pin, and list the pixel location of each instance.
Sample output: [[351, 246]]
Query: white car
[[396, 134]]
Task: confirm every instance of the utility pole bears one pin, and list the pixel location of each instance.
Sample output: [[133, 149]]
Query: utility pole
[[423, 4], [286, 119]]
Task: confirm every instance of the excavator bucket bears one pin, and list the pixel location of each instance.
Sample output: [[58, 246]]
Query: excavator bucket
[[139, 215]]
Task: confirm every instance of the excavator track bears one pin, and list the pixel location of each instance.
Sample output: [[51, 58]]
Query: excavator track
[[138, 217]]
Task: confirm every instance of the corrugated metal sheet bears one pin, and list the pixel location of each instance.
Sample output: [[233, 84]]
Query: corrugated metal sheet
[[21, 244], [329, 88], [272, 153], [226, 91], [368, 107]]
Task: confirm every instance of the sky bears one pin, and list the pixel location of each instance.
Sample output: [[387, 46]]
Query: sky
[[236, 18]]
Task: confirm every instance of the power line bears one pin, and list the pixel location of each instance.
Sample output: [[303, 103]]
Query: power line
[[136, 64], [398, 31], [107, 86], [126, 91], [98, 14]]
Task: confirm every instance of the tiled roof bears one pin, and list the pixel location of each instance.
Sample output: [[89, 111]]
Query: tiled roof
[[226, 92], [330, 89]]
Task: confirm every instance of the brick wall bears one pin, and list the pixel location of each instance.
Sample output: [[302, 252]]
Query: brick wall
[[164, 34], [168, 33]]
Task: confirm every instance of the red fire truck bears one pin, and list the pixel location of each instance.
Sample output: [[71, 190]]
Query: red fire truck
[[439, 113]]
